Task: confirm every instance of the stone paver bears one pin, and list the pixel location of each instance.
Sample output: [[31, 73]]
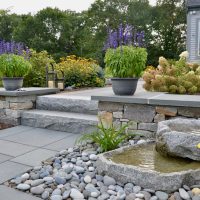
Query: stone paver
[[7, 193], [37, 137], [28, 91], [35, 157], [4, 158], [14, 149], [14, 131], [64, 143], [9, 170], [21, 148]]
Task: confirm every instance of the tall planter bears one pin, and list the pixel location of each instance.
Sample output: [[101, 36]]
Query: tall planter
[[12, 84], [124, 86]]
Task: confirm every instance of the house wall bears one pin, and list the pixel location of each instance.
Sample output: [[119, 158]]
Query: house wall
[[193, 35]]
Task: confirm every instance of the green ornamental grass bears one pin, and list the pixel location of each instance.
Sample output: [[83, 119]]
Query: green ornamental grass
[[107, 138], [126, 61], [12, 65]]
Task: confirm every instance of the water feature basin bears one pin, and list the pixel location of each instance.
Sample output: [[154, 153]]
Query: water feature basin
[[142, 165]]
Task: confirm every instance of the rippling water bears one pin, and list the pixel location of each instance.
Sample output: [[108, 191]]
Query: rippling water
[[148, 158]]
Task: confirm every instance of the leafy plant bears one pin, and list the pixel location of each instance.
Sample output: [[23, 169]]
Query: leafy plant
[[126, 61], [81, 72], [37, 75], [13, 65], [107, 138]]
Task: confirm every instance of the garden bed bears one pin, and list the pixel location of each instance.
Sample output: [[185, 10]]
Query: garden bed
[[72, 174]]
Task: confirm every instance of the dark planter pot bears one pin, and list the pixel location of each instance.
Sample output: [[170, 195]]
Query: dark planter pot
[[124, 86], [12, 84]]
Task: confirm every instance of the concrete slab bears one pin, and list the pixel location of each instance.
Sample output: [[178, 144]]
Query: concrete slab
[[14, 130], [35, 157], [4, 158], [176, 100], [138, 98], [37, 137], [7, 193], [86, 94], [28, 91], [64, 143], [14, 149], [9, 170]]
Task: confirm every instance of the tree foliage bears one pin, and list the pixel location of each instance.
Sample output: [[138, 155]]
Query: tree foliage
[[63, 33]]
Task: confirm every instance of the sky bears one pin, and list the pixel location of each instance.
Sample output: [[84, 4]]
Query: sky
[[26, 6]]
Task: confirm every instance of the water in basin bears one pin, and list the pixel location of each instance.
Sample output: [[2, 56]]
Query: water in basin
[[147, 157]]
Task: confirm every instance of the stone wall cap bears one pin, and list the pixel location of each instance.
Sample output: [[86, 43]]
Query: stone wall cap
[[153, 98], [28, 91]]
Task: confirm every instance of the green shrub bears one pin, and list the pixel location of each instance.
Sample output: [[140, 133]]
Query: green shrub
[[81, 72], [12, 65], [126, 61], [37, 76], [107, 138], [177, 77]]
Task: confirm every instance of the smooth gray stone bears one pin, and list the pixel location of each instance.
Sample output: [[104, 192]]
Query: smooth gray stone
[[184, 194], [136, 189], [23, 187], [131, 196], [37, 182], [45, 195], [76, 194], [56, 197], [177, 196], [60, 180], [196, 197], [66, 194], [109, 181], [37, 190], [154, 198], [56, 192], [162, 195]]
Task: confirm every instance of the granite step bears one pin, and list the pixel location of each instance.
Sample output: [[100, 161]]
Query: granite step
[[67, 103], [60, 121]]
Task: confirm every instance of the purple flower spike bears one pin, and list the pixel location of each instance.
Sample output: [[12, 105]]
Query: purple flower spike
[[13, 48], [124, 35]]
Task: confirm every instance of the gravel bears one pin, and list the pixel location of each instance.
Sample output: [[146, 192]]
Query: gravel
[[72, 174]]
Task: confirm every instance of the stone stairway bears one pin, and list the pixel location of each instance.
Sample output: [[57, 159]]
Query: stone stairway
[[61, 112]]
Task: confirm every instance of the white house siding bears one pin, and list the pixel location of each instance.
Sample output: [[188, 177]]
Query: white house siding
[[192, 36]]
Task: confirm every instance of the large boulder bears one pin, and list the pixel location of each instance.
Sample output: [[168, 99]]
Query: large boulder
[[179, 138]]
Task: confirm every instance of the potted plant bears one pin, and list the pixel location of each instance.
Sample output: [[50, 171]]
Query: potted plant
[[13, 68], [125, 59]]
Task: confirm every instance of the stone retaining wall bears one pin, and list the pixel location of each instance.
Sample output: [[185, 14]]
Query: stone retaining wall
[[11, 108], [141, 119], [13, 103]]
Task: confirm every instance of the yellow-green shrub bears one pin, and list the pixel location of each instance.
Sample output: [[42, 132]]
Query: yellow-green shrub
[[81, 72], [39, 61], [177, 77]]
